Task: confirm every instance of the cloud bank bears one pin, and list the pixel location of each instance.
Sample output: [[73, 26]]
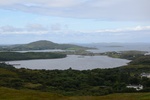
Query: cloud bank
[[118, 10], [94, 12], [57, 34], [40, 29]]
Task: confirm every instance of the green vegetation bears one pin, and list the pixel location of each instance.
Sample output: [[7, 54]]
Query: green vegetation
[[42, 45], [144, 60], [13, 94], [71, 82], [8, 56], [131, 55], [118, 96]]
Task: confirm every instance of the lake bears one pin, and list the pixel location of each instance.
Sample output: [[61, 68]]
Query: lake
[[73, 61]]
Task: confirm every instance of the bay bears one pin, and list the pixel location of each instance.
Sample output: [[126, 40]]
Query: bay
[[108, 47], [71, 61]]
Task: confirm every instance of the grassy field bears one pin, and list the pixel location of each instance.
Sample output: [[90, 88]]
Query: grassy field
[[12, 94], [119, 96]]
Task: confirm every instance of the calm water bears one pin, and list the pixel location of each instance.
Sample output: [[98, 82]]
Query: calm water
[[105, 47], [87, 62], [73, 61]]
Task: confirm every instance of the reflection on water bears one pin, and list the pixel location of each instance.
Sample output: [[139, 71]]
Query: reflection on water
[[73, 61]]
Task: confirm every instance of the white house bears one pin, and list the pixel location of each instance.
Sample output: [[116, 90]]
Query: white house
[[137, 87], [145, 75], [147, 54]]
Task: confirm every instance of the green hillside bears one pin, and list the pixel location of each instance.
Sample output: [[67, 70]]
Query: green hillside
[[92, 84], [43, 45], [13, 94]]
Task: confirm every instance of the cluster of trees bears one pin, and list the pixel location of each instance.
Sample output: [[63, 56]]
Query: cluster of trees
[[144, 60], [77, 82], [8, 56], [130, 55]]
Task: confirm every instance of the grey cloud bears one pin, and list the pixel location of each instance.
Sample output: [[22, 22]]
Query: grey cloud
[[135, 34], [9, 2], [9, 28], [122, 10], [125, 10], [56, 27], [36, 27], [63, 29], [29, 29]]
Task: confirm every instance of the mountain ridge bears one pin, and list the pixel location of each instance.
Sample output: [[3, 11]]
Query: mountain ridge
[[44, 45]]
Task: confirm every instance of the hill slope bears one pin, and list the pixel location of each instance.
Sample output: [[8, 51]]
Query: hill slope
[[43, 45], [12, 94]]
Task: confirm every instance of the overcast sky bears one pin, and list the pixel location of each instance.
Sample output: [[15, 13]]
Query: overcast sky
[[74, 21]]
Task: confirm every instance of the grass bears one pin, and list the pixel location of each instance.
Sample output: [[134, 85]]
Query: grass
[[5, 72], [118, 96], [12, 94]]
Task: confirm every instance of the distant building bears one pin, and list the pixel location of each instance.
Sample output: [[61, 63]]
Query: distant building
[[145, 75], [147, 54], [137, 87]]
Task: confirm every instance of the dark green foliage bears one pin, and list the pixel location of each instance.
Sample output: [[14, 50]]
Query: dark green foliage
[[5, 66], [130, 55], [144, 60], [76, 82], [8, 56]]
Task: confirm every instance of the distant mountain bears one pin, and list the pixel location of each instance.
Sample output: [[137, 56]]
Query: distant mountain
[[43, 45]]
